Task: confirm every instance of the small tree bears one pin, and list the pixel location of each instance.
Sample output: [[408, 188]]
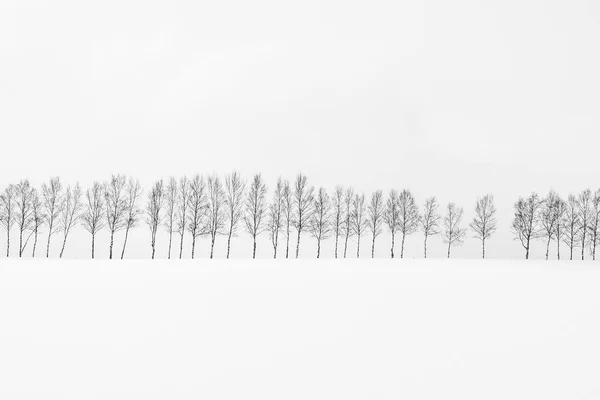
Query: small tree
[[526, 221], [571, 224], [170, 208], [348, 221], [276, 215], [235, 186], [181, 214], [319, 225], [115, 197], [549, 219], [53, 199], [338, 215], [359, 219], [594, 226], [153, 212], [216, 213], [376, 211], [454, 235], [7, 213], [584, 204], [288, 214], [93, 216], [71, 213], [303, 201], [24, 212], [484, 224], [132, 211], [430, 223], [392, 217], [38, 217], [256, 208], [409, 216], [197, 209]]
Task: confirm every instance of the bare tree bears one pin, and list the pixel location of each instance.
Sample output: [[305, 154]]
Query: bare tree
[[526, 221], [359, 219], [585, 216], [71, 213], [216, 212], [235, 187], [181, 215], [115, 197], [430, 223], [7, 213], [549, 218], [24, 212], [571, 224], [376, 211], [392, 218], [153, 212], [276, 215], [288, 214], [594, 225], [319, 225], [197, 209], [303, 201], [53, 205], [132, 211], [171, 205], [256, 208], [454, 235], [338, 215], [409, 216], [93, 216], [484, 224], [38, 218], [347, 225]]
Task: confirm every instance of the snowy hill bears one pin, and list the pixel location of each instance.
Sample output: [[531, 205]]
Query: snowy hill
[[297, 329]]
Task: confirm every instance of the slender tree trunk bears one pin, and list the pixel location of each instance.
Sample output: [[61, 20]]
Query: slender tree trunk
[[254, 248], [548, 248], [170, 242], [181, 245], [425, 246], [318, 248], [212, 246], [112, 241], [153, 249], [483, 248], [393, 244], [93, 244], [558, 249], [287, 243], [402, 251], [49, 237], [229, 243], [373, 248], [124, 243], [449, 245], [527, 250], [35, 243], [583, 246], [193, 245], [298, 244], [7, 244], [21, 243], [571, 251], [63, 247], [358, 247], [336, 245], [346, 246]]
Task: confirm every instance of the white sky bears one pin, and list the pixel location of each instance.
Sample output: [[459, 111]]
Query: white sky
[[454, 99]]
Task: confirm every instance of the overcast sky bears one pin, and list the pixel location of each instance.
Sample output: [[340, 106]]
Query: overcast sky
[[453, 99]]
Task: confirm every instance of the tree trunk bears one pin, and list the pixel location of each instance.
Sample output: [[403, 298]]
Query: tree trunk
[[93, 244], [358, 247], [393, 244], [298, 244], [20, 243], [346, 246], [153, 250], [425, 246], [483, 248], [49, 237], [170, 242], [63, 247], [449, 245], [287, 243], [124, 243], [212, 246], [336, 245], [181, 245], [373, 248], [558, 249], [112, 241], [7, 244], [402, 251], [229, 243], [318, 248], [34, 244], [548, 248], [254, 248], [193, 245], [527, 250]]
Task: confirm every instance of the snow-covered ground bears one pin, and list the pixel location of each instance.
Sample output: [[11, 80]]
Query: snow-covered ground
[[383, 329]]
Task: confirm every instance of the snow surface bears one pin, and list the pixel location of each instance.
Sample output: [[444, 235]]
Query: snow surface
[[299, 329]]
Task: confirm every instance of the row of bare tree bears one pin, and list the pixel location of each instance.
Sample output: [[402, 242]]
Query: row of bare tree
[[211, 207], [574, 222]]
